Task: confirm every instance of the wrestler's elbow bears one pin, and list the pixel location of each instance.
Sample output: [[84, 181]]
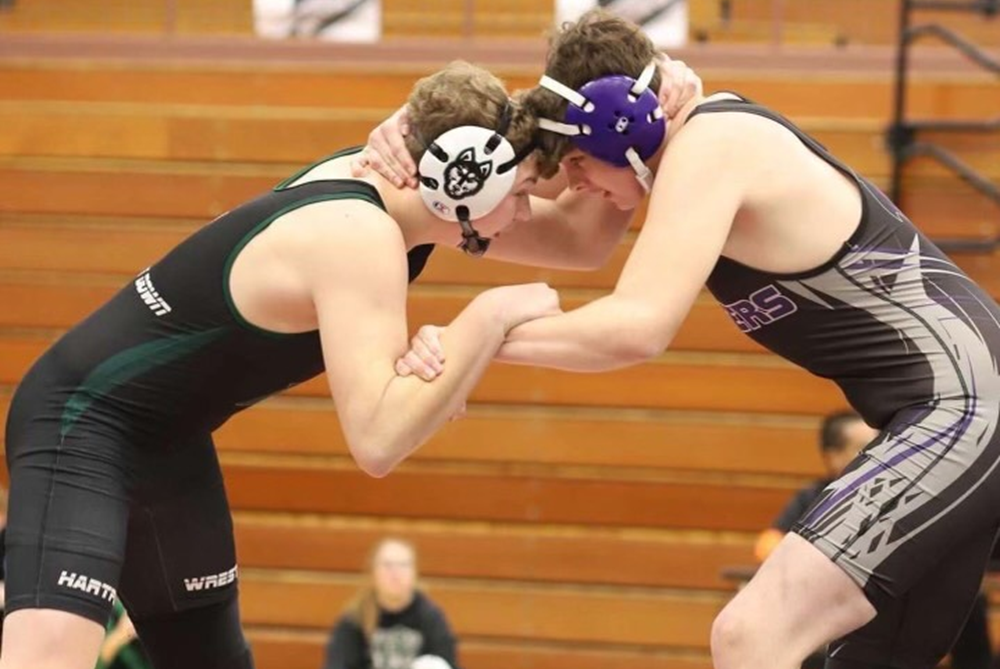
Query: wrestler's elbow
[[375, 465], [638, 351], [644, 338], [375, 455]]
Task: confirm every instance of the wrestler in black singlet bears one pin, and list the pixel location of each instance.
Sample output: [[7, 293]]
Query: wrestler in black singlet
[[115, 485], [913, 344]]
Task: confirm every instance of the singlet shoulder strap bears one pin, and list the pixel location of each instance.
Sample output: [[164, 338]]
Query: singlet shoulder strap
[[351, 150], [721, 105], [331, 188], [746, 106]]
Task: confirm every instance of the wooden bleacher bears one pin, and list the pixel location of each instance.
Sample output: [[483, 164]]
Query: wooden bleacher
[[845, 22], [866, 22], [570, 521], [192, 17]]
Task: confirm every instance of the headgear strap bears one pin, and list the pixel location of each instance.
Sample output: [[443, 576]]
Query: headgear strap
[[614, 118], [466, 172]]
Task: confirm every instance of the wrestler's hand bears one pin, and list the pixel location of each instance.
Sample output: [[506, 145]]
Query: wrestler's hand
[[525, 302], [425, 358], [678, 84], [386, 152], [515, 305]]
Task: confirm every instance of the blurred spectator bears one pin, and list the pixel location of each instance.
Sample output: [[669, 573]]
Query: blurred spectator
[[841, 438], [391, 624], [120, 648]]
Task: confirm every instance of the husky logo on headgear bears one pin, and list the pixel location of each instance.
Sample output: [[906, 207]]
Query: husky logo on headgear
[[456, 186], [464, 177]]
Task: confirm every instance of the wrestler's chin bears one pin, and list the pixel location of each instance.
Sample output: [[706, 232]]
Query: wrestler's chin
[[624, 202], [621, 201]]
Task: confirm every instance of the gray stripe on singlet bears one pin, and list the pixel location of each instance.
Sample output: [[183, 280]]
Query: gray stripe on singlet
[[889, 286]]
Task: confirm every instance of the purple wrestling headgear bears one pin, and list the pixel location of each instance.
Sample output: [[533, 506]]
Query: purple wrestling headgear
[[616, 118]]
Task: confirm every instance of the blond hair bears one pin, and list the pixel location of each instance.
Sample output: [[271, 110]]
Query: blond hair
[[363, 608]]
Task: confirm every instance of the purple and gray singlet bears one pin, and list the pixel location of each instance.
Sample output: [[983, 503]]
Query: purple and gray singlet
[[913, 343]]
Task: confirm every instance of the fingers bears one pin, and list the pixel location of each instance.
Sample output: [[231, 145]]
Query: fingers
[[389, 155], [386, 152], [699, 85], [677, 90], [693, 85], [402, 368], [678, 86], [359, 164], [407, 169], [430, 335], [411, 364], [381, 158], [425, 359], [667, 82], [427, 356], [460, 413]]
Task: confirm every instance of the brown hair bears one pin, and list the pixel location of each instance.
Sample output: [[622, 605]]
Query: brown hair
[[363, 608], [464, 94], [596, 45]]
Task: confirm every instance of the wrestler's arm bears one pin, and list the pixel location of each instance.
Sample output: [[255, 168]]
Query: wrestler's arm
[[700, 188], [360, 300], [574, 231]]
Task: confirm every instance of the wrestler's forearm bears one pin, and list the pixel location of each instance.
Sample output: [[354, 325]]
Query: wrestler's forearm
[[409, 410], [606, 334]]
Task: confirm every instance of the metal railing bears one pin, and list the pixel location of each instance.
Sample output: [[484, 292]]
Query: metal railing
[[904, 134]]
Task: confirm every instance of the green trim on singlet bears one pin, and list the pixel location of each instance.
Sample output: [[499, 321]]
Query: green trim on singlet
[[227, 269], [305, 170], [128, 364], [129, 656]]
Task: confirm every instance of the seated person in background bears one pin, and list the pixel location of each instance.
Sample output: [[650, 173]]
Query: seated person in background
[[842, 437], [391, 624], [121, 648]]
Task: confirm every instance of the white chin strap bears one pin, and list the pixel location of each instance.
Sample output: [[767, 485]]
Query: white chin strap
[[643, 174]]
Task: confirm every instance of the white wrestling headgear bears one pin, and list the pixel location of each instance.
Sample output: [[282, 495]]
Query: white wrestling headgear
[[466, 172]]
